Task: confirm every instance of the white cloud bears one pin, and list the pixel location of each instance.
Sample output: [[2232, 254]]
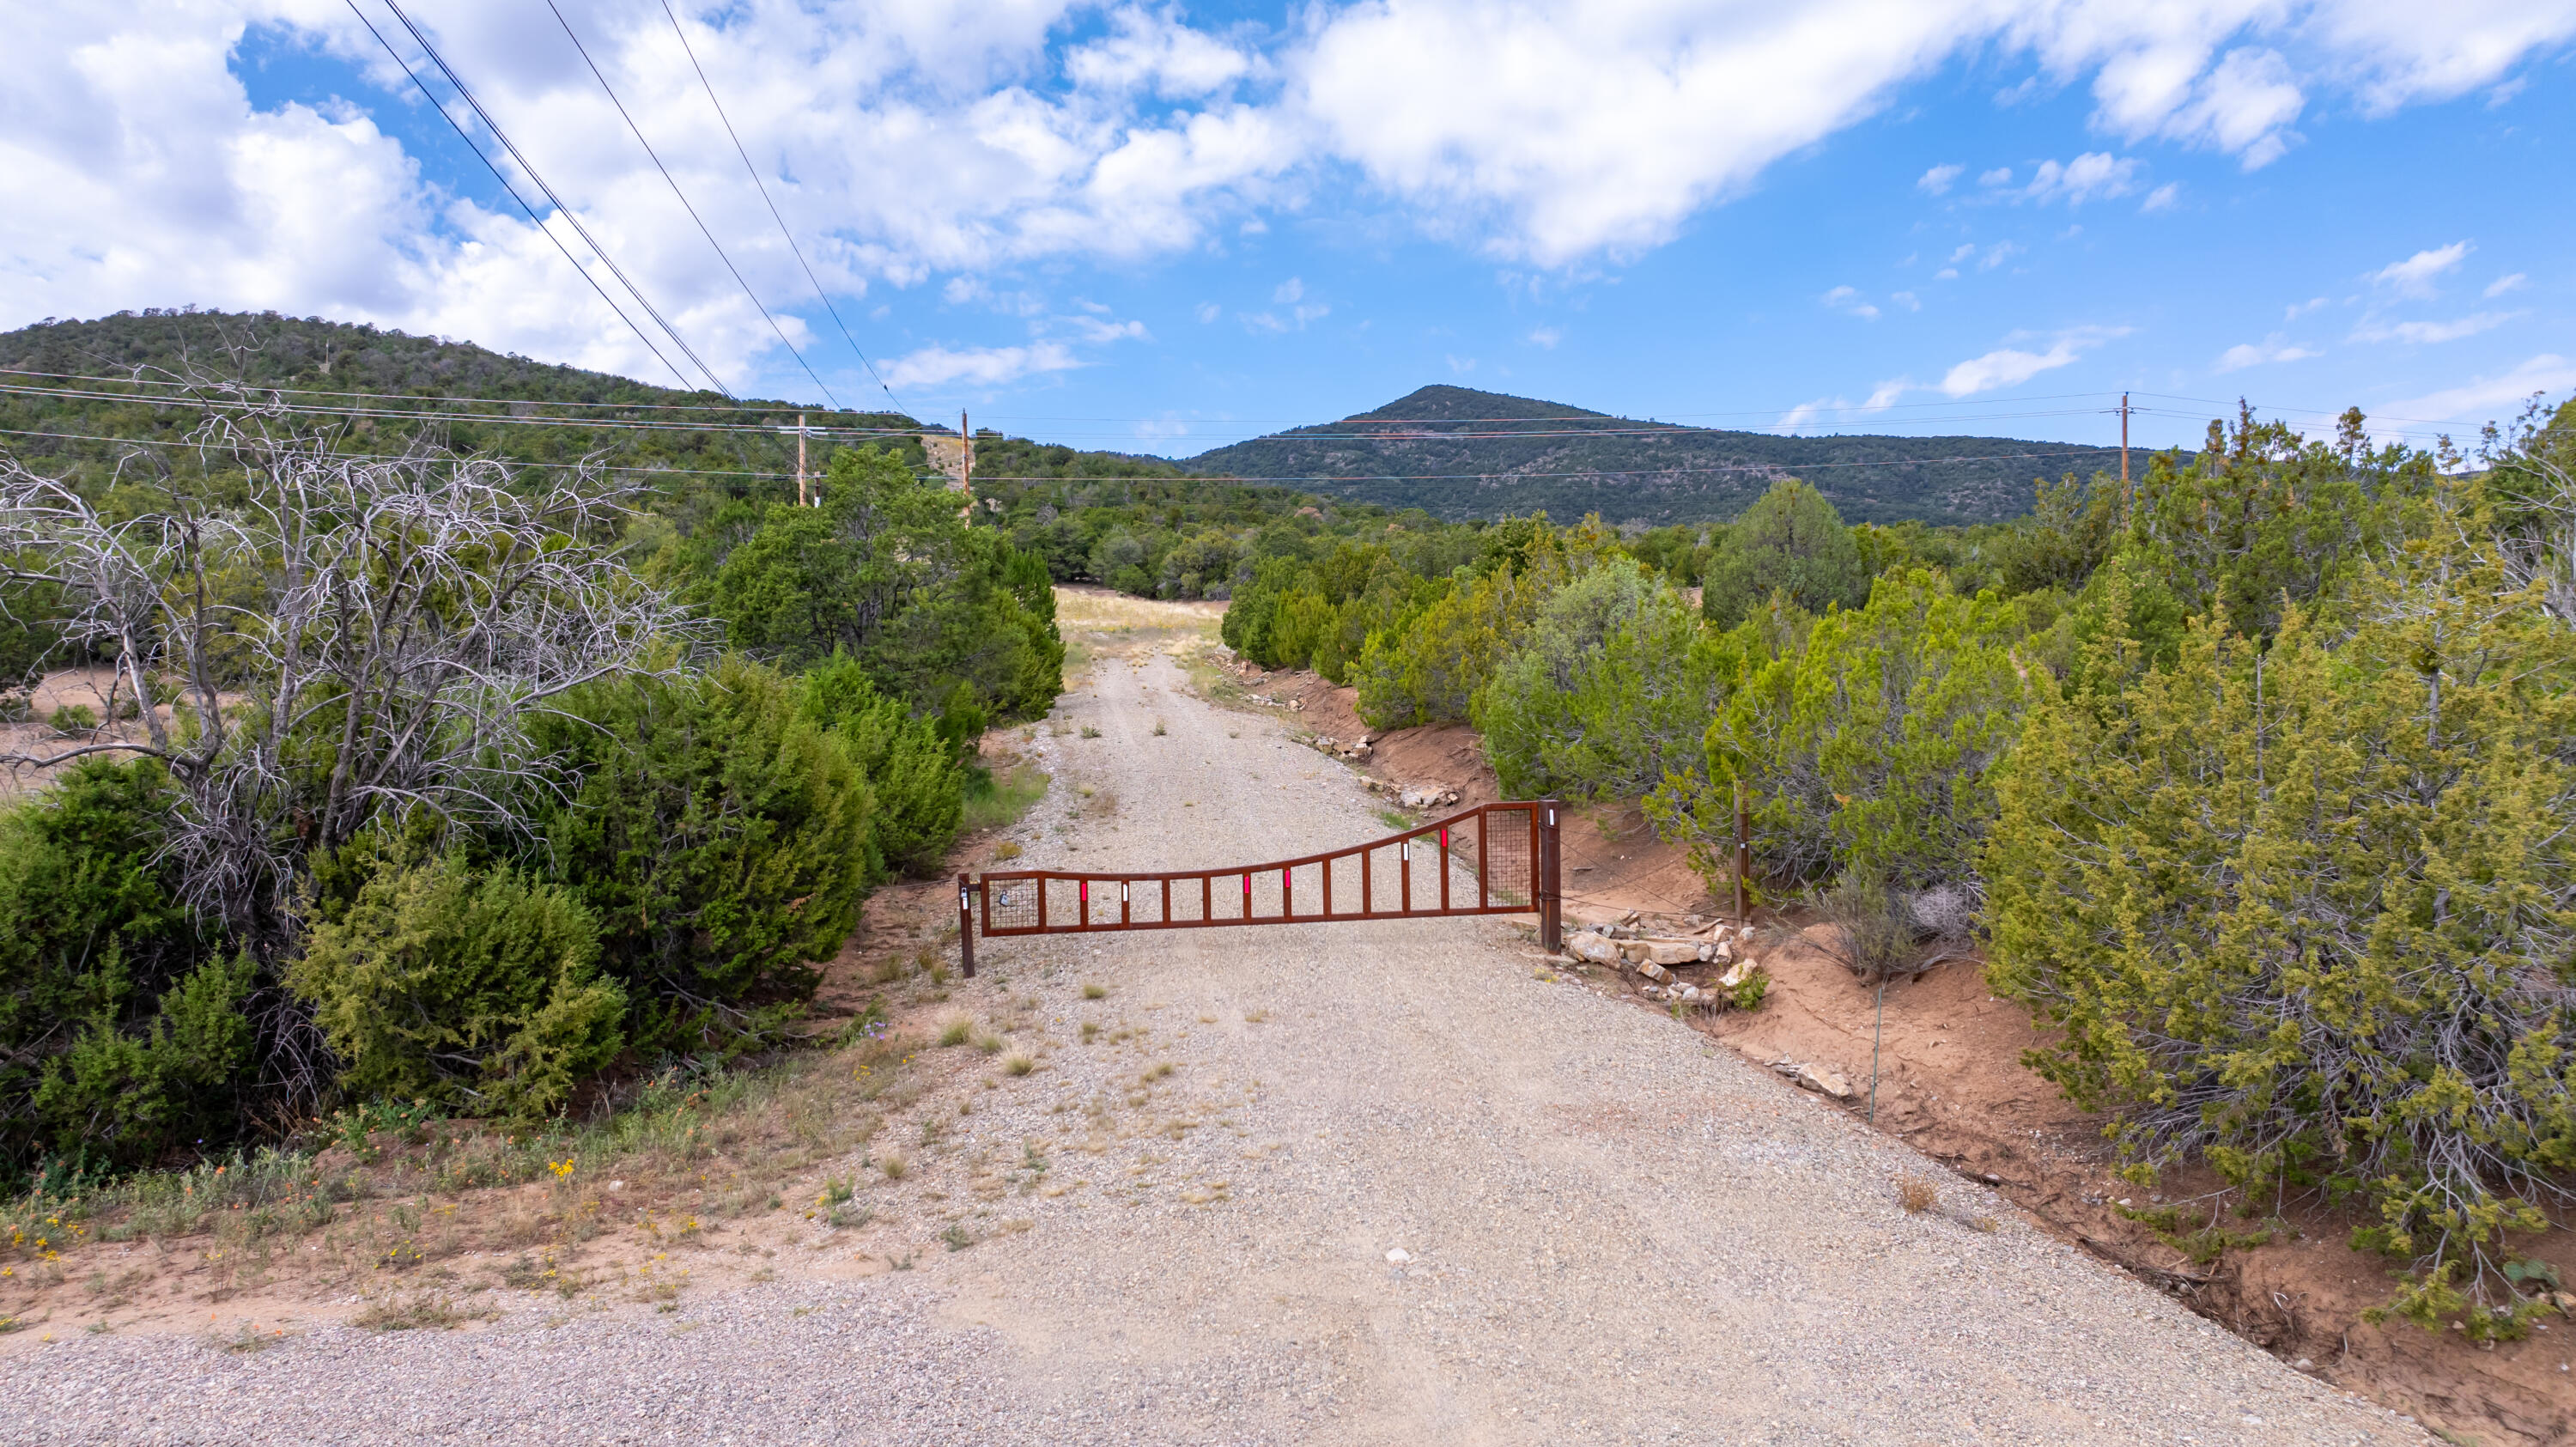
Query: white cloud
[[1288, 291], [2414, 276], [2487, 398], [2270, 349], [1937, 181], [2162, 198], [1999, 253], [2298, 309], [2425, 332], [1460, 365], [1966, 250], [1209, 311], [1547, 337], [1999, 176], [2503, 284], [908, 141], [2009, 366], [936, 366], [1907, 300], [1848, 301], [2095, 175]]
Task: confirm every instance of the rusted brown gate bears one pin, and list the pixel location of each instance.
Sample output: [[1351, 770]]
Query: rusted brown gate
[[1510, 849]]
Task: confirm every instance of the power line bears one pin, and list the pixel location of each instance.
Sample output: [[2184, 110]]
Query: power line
[[451, 397], [570, 216], [819, 294], [684, 201], [409, 414], [506, 185], [383, 456]]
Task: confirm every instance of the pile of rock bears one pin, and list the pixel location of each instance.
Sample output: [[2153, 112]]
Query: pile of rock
[[1358, 748], [1412, 796], [1630, 945]]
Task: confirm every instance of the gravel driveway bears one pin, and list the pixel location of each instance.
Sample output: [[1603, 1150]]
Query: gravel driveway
[[1609, 1231]]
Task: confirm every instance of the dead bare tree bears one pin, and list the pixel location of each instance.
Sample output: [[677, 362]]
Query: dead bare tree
[[313, 639]]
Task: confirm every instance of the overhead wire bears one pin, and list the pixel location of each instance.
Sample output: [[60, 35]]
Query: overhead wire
[[571, 217], [819, 294], [512, 188], [685, 204], [379, 456]]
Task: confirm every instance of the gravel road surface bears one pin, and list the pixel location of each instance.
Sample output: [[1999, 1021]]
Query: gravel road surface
[[1608, 1230]]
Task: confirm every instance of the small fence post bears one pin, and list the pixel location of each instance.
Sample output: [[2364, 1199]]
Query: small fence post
[[1551, 919], [1743, 854], [966, 921]]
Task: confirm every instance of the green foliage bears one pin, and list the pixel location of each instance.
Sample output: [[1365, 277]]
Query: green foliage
[[721, 839], [1791, 542], [2263, 518], [2305, 910], [477, 990], [912, 772], [119, 1039], [1609, 689], [1866, 745], [887, 571], [1431, 671]]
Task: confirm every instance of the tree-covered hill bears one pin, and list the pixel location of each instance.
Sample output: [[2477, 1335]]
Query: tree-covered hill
[[1459, 453]]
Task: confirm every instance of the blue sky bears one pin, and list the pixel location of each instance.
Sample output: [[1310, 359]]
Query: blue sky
[[1164, 229]]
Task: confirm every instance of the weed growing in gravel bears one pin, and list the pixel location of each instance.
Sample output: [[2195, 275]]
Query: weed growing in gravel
[[1018, 1064], [955, 1030], [1394, 820], [955, 1236], [1089, 732], [1158, 1070], [422, 1311], [1916, 1194], [1095, 992], [988, 1042], [836, 1190], [1159, 730], [894, 1167], [1006, 851], [245, 1338], [1255, 1017], [1090, 1031]]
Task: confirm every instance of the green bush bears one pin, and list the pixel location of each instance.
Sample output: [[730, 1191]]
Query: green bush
[[1867, 746], [119, 1040], [887, 571], [478, 991], [2306, 911], [1790, 541], [719, 837], [912, 771], [1607, 692]]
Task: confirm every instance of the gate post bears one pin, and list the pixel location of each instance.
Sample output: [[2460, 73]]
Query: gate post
[[1551, 919], [966, 922]]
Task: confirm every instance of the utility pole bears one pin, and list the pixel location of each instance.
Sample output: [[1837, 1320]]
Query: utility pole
[[966, 455], [2124, 454], [804, 497]]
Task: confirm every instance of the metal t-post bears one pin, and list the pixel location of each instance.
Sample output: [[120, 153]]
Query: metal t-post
[[966, 922]]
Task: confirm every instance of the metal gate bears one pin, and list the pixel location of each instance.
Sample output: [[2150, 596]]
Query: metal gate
[[1510, 850]]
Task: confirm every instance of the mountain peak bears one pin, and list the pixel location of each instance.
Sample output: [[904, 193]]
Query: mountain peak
[[1465, 404]]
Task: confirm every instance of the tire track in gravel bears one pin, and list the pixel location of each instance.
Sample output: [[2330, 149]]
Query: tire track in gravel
[[1612, 1231]]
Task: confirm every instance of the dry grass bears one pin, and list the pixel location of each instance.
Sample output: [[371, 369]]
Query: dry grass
[[1916, 1194], [1018, 1064], [1095, 992], [956, 1030], [417, 1312]]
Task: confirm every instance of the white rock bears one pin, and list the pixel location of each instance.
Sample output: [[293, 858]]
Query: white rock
[[1672, 952], [1828, 1082], [1398, 1256], [1592, 948], [1735, 976]]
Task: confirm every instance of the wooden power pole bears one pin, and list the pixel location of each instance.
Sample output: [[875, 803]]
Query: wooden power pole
[[965, 456], [800, 461], [2124, 454]]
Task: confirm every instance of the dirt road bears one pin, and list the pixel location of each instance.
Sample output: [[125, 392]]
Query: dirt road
[[1394, 1186]]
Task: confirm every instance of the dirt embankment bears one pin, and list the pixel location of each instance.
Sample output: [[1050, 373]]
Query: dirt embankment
[[1950, 1081]]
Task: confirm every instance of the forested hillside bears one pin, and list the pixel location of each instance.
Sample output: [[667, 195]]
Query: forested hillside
[[1459, 453]]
